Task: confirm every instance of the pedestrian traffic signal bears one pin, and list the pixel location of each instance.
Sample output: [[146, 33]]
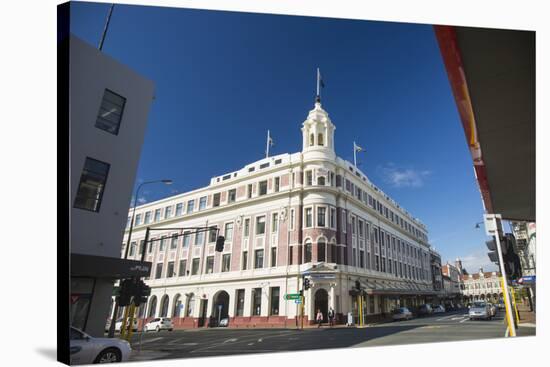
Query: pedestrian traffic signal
[[307, 284], [127, 290], [220, 241]]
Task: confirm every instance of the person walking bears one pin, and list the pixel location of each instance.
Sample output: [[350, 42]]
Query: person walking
[[319, 318], [331, 317]]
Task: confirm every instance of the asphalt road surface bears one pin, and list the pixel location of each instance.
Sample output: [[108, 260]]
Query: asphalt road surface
[[451, 326]]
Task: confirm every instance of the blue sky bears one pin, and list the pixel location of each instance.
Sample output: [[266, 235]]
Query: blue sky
[[224, 78]]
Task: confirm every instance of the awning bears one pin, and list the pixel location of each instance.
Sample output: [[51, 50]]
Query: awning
[[107, 267], [396, 288]]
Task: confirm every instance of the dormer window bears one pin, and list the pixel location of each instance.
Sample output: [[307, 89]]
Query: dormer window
[[320, 139]]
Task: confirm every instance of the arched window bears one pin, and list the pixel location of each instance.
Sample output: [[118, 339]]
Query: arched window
[[320, 139], [176, 311], [311, 140], [321, 181], [321, 248], [164, 306], [307, 252], [152, 307], [190, 305]]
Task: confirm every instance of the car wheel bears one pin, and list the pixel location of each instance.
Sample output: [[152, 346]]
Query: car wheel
[[109, 355]]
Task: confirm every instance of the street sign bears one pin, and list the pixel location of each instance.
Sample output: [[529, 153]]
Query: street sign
[[527, 280], [298, 301], [291, 296]]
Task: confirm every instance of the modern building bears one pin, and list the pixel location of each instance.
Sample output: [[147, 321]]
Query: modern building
[[482, 286], [109, 104], [308, 213]]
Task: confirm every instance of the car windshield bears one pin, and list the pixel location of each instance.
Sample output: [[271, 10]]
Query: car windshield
[[479, 304]]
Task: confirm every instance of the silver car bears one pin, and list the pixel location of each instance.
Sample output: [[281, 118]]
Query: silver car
[[86, 349], [402, 313], [480, 310]]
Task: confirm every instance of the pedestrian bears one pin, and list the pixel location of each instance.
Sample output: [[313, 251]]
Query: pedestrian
[[319, 318], [331, 317]]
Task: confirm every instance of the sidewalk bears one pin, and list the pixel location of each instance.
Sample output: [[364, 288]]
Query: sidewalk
[[525, 316]]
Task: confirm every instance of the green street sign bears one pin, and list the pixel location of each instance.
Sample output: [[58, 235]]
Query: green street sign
[[292, 296]]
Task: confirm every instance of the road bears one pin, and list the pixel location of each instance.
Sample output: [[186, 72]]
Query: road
[[222, 342]]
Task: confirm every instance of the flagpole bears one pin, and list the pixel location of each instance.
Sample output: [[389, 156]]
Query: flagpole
[[354, 155], [318, 81], [267, 146]]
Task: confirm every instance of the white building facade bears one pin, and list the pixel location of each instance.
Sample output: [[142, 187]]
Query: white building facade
[[484, 286], [285, 216]]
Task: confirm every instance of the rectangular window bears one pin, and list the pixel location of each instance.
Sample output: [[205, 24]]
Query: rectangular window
[[157, 215], [245, 261], [138, 219], [360, 228], [190, 206], [256, 301], [353, 225], [292, 214], [263, 188], [362, 258], [274, 222], [110, 112], [226, 262], [217, 197], [151, 245], [212, 235], [158, 273], [354, 257], [389, 267], [179, 209], [202, 203], [308, 218], [141, 246], [240, 303], [247, 227], [377, 262], [258, 259], [232, 195], [321, 250], [274, 298], [229, 231], [162, 243], [249, 191], [167, 212], [199, 238], [170, 271], [344, 222], [92, 185], [260, 225], [195, 266], [147, 217], [309, 178], [182, 268], [174, 242], [186, 238], [132, 249], [209, 264], [291, 255], [321, 216], [273, 257], [277, 184]]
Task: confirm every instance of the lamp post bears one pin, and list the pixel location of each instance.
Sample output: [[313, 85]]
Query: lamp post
[[128, 244]]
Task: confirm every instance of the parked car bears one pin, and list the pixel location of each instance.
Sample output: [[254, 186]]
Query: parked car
[[401, 313], [224, 322], [85, 349], [424, 310], [479, 310], [501, 305], [118, 324], [439, 309], [158, 324]]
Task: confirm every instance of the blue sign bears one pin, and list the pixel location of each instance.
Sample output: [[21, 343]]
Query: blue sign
[[297, 301], [527, 279]]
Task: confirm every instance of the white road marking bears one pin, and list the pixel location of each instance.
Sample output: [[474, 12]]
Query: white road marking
[[444, 318], [190, 344], [230, 340], [466, 319], [151, 340]]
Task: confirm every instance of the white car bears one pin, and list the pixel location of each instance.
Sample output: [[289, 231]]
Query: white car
[[119, 324], [158, 324], [439, 309], [85, 349], [402, 313]]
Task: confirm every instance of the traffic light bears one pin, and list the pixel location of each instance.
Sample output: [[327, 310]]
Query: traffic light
[[307, 284], [220, 241], [511, 259], [358, 285], [127, 290], [142, 292]]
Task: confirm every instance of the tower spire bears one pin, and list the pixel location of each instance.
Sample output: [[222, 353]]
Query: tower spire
[[320, 85]]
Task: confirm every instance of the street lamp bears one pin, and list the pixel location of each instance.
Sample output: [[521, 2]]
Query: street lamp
[[128, 243]]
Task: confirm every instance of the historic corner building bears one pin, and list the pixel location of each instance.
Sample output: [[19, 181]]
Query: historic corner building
[[283, 217]]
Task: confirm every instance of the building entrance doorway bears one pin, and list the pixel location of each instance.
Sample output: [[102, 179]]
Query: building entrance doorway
[[203, 311], [321, 303], [220, 307]]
